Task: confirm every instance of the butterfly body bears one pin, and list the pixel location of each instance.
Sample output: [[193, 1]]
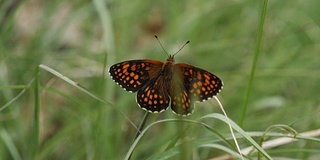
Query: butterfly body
[[162, 84]]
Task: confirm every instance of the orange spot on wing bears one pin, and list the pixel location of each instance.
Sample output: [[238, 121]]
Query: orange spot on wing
[[125, 66], [206, 76]]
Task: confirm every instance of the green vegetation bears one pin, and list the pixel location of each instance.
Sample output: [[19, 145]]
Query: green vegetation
[[57, 100]]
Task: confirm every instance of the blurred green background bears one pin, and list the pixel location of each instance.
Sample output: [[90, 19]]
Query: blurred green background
[[81, 39]]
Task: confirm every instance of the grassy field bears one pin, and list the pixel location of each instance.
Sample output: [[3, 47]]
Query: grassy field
[[57, 100]]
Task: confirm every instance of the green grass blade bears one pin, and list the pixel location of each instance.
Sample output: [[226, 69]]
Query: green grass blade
[[239, 130], [108, 39], [10, 144], [76, 85], [223, 148], [36, 120], [24, 88], [254, 64], [135, 143], [176, 149]]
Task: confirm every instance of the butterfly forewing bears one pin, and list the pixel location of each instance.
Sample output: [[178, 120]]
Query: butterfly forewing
[[200, 84], [133, 75]]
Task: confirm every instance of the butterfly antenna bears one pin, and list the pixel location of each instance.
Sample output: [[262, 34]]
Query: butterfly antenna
[[181, 48], [161, 45]]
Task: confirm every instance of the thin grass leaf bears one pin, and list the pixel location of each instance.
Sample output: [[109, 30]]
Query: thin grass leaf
[[133, 146], [24, 88], [10, 144], [36, 121], [254, 64], [239, 130], [223, 148], [231, 130], [284, 139], [108, 39], [76, 85], [50, 145]]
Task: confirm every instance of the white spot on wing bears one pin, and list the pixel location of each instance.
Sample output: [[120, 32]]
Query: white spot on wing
[[183, 115], [150, 110]]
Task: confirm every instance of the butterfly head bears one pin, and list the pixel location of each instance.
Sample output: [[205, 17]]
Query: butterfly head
[[170, 58]]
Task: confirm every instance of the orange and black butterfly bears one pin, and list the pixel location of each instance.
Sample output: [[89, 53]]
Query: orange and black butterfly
[[159, 84]]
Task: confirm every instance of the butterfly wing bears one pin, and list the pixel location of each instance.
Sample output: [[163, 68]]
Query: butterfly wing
[[133, 75], [153, 97], [200, 84], [180, 101], [192, 84]]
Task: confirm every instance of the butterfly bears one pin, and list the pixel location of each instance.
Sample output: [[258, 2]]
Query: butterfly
[[160, 84]]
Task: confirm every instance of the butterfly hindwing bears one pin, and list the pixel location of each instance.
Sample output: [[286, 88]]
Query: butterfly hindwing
[[153, 97], [133, 75], [181, 103]]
